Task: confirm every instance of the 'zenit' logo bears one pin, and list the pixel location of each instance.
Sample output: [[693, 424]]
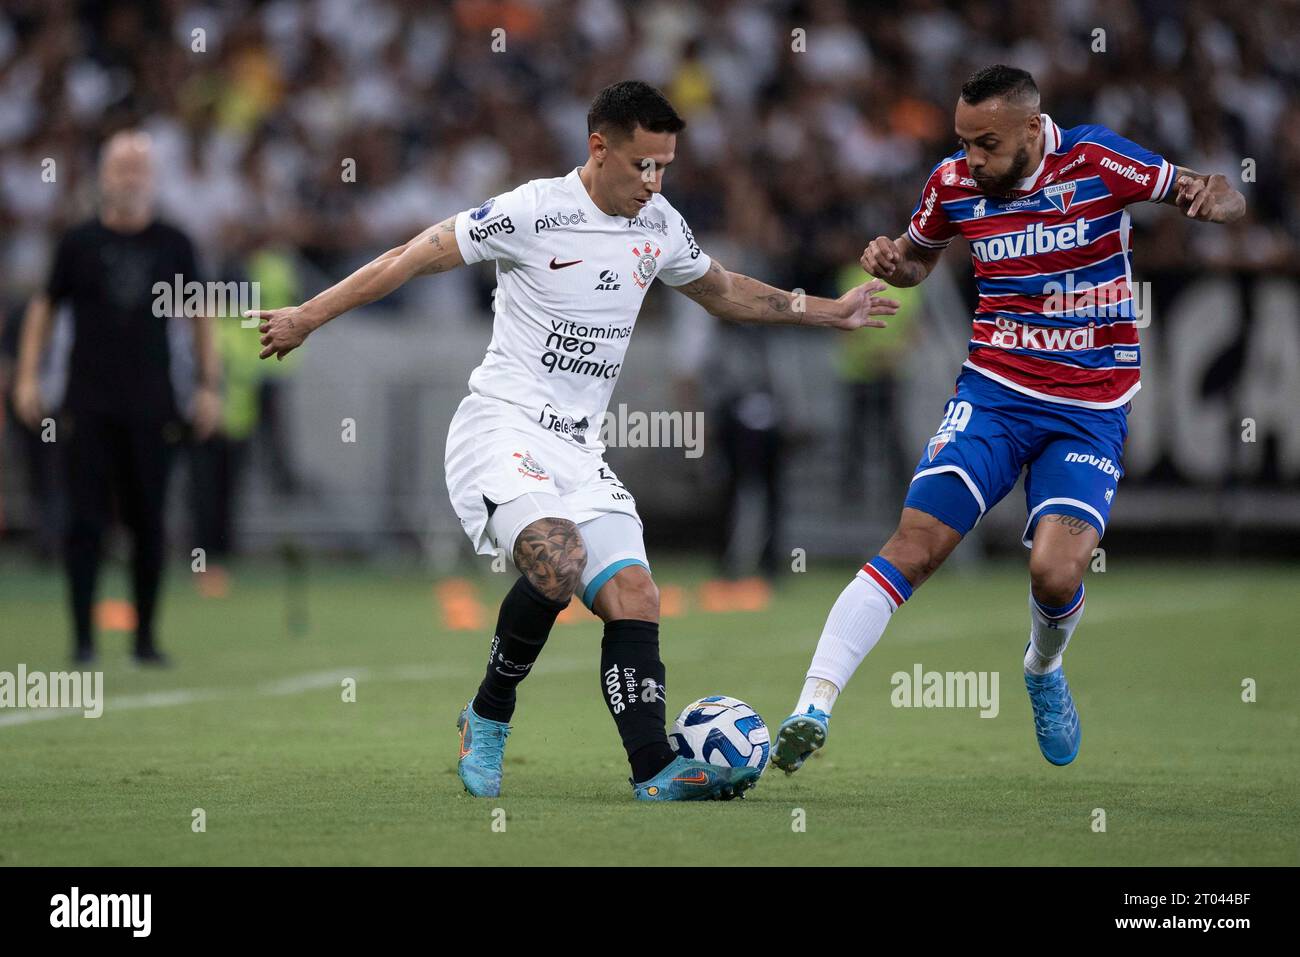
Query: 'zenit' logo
[[502, 225], [560, 220]]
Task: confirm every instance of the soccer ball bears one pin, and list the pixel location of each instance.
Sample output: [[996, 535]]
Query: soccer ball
[[722, 731]]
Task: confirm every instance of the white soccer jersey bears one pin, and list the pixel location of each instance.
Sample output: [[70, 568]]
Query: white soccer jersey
[[570, 282]]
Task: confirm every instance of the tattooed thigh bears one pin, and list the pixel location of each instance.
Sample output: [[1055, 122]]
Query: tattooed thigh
[[550, 553]]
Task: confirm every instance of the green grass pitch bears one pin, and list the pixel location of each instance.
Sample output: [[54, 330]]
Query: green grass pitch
[[251, 727]]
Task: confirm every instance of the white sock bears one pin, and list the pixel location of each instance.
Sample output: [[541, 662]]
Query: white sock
[[818, 693], [854, 625], [1049, 632]]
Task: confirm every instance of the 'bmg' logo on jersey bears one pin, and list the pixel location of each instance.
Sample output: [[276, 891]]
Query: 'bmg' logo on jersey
[[480, 233]]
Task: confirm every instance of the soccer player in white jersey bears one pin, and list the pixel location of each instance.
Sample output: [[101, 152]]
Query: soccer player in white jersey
[[525, 465], [1046, 386]]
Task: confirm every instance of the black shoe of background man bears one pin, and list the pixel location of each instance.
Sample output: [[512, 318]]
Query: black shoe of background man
[[150, 658], [84, 655]]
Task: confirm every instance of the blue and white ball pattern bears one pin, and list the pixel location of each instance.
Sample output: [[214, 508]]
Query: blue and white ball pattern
[[722, 731]]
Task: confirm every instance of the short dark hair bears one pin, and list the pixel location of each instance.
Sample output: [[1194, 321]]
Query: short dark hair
[[619, 109], [998, 80]]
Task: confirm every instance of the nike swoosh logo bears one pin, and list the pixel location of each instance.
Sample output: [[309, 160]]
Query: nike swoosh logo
[[699, 777], [555, 265]]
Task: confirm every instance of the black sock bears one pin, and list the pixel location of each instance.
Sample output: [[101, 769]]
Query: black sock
[[82, 556], [146, 573], [523, 625], [632, 680]]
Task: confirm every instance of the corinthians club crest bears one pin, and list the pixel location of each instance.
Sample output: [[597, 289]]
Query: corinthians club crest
[[529, 467], [646, 263]]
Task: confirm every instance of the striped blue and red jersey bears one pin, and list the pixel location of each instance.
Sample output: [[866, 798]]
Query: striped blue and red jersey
[[1052, 262]]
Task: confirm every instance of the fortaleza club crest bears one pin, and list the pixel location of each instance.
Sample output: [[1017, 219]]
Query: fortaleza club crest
[[529, 467], [1060, 194], [646, 263], [955, 419], [938, 441]]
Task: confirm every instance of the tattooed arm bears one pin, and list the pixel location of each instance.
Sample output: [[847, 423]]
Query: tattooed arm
[[900, 262], [434, 250], [729, 295]]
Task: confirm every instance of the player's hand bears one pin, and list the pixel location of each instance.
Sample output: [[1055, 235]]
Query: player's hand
[[858, 305], [207, 411], [882, 257], [1202, 198], [27, 401], [283, 330]]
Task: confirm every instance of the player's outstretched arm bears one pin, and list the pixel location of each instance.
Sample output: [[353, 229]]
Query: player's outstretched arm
[[434, 250], [900, 262], [1206, 196], [729, 295]]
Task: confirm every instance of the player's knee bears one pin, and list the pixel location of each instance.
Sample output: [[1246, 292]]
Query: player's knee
[[641, 597], [631, 593], [551, 555], [1054, 582], [916, 554]]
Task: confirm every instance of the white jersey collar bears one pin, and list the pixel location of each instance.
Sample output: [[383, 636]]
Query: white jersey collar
[[574, 182]]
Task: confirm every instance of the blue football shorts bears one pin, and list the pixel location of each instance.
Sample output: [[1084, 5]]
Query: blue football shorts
[[1072, 457]]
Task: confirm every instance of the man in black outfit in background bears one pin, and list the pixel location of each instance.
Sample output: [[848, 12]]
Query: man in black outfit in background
[[119, 416]]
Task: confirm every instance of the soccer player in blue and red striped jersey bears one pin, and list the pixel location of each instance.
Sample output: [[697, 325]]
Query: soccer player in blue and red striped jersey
[[1053, 363]]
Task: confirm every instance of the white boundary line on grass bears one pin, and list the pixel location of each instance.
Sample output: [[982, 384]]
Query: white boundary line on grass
[[319, 680], [281, 687]]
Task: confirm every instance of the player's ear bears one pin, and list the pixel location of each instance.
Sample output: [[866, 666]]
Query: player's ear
[[597, 146]]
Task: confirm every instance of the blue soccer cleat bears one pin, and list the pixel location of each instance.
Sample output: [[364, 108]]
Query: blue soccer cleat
[[798, 737], [482, 745], [1056, 722], [687, 780]]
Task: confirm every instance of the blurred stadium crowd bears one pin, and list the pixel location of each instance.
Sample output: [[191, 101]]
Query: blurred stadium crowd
[[296, 139], [813, 142]]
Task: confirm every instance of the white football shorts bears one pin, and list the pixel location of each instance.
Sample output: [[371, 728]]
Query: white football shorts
[[503, 473]]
